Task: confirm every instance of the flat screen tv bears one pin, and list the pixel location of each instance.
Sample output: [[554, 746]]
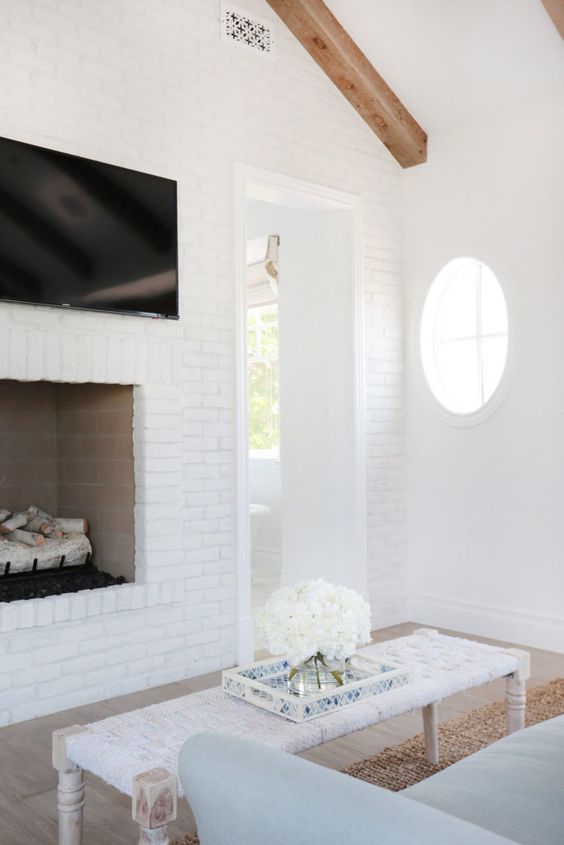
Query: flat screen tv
[[77, 233]]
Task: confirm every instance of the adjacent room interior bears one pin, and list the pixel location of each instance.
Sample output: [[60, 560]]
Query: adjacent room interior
[[305, 474], [281, 415]]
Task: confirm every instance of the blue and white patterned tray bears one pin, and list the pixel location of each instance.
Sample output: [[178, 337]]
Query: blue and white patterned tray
[[265, 684]]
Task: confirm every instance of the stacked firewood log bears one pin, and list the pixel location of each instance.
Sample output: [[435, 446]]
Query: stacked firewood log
[[33, 535]]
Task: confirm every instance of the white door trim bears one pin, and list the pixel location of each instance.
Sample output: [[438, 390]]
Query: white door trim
[[244, 176]]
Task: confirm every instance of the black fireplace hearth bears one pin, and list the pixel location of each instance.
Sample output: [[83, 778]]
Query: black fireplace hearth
[[54, 582]]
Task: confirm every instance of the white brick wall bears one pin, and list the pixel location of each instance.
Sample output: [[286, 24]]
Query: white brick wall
[[149, 85]]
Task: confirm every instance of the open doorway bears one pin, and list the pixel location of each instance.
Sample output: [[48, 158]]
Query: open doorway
[[301, 484], [263, 408]]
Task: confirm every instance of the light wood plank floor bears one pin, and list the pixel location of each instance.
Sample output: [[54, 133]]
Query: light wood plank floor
[[27, 781]]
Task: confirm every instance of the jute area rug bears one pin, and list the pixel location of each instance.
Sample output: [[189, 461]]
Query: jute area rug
[[405, 764]]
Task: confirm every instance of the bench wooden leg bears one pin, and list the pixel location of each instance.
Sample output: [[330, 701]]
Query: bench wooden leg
[[431, 729], [70, 791], [158, 836], [516, 691], [154, 805]]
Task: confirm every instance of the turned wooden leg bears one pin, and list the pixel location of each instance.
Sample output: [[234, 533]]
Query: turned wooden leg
[[516, 691], [154, 805], [431, 729], [70, 792]]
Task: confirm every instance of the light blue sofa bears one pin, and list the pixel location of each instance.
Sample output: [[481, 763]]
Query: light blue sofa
[[243, 793]]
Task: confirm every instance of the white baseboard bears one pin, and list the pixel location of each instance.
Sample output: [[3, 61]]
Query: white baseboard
[[483, 621]]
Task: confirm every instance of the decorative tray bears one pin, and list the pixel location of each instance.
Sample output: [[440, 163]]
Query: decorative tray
[[265, 684]]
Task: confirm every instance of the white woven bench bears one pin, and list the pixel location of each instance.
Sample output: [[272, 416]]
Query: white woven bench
[[137, 752]]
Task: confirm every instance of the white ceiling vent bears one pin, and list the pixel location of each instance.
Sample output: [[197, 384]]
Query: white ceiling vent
[[247, 31]]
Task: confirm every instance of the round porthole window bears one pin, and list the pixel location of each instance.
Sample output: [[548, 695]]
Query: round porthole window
[[464, 336]]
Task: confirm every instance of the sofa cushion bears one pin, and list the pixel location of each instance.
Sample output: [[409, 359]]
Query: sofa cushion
[[243, 793], [514, 787]]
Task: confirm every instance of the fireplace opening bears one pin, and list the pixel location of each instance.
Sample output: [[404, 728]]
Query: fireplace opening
[[66, 487]]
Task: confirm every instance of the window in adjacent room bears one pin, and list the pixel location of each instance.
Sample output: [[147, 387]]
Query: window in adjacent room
[[464, 336], [263, 383], [262, 347]]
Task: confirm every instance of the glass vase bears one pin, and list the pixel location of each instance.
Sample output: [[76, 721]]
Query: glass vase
[[317, 674]]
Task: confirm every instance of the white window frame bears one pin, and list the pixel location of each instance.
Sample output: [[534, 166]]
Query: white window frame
[[479, 415]]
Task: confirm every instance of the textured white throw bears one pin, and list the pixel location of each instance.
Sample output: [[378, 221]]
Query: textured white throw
[[120, 747]]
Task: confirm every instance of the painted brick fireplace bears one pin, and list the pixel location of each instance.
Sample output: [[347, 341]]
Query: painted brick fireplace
[[67, 649], [156, 437]]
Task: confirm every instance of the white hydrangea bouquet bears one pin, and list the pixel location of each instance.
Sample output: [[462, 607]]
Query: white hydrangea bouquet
[[318, 626]]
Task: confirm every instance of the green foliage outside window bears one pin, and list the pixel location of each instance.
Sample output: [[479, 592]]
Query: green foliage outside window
[[263, 381]]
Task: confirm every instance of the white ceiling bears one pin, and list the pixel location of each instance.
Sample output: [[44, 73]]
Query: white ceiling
[[451, 61]]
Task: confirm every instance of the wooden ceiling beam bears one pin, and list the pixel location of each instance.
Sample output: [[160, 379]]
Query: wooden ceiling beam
[[319, 31], [555, 9]]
